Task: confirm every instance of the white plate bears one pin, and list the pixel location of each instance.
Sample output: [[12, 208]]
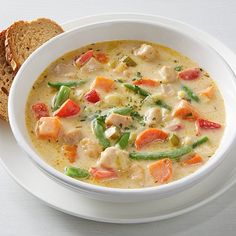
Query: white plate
[[37, 183]]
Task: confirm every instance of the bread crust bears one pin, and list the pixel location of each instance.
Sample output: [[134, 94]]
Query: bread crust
[[6, 79], [25, 33], [32, 35]]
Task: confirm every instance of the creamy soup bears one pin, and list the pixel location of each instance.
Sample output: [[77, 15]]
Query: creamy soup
[[125, 114]]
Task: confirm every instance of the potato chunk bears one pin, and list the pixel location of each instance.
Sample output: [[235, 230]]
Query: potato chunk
[[114, 158], [113, 99]]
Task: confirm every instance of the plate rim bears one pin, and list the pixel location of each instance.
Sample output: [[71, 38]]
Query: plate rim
[[92, 19]]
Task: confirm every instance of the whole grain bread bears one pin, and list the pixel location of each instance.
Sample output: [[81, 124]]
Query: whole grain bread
[[23, 37], [6, 78]]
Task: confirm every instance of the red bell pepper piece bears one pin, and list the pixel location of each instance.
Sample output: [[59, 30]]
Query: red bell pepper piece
[[84, 58], [206, 124], [68, 108], [40, 110], [92, 96], [190, 74]]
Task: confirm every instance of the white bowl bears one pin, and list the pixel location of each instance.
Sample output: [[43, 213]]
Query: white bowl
[[189, 45]]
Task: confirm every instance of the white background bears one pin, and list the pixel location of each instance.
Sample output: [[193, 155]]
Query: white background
[[22, 214]]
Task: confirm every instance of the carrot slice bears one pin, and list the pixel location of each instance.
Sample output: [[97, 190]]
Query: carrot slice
[[70, 151], [148, 136], [48, 128], [161, 170], [103, 83], [196, 159], [146, 82], [101, 57], [185, 110], [208, 92], [102, 173]]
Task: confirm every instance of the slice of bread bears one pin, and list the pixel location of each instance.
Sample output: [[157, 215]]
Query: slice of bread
[[6, 78], [22, 38]]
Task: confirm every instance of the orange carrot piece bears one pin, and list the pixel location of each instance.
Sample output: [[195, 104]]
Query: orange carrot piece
[[146, 82], [161, 170], [48, 128], [104, 83], [196, 159], [70, 151], [208, 92], [101, 57], [186, 111], [148, 136], [102, 173]]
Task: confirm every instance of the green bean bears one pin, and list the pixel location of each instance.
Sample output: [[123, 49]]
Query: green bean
[[200, 141], [62, 95], [76, 172], [57, 85], [123, 110], [99, 131], [161, 103], [136, 116], [123, 141], [191, 95], [137, 90], [172, 154]]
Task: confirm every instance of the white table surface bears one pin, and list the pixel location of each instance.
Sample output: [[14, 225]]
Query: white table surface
[[22, 214]]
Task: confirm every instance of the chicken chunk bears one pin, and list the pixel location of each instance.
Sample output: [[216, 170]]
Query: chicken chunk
[[167, 90], [90, 147], [167, 74], [65, 70], [118, 120], [72, 136], [152, 116], [91, 65], [115, 159], [146, 52]]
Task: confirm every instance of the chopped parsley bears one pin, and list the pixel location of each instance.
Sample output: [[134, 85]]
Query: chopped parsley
[[178, 68], [139, 75]]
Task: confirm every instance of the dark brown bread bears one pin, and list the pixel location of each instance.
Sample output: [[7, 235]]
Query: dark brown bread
[[16, 44], [6, 78], [22, 38]]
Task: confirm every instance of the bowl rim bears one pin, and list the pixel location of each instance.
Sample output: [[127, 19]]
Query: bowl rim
[[87, 187]]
